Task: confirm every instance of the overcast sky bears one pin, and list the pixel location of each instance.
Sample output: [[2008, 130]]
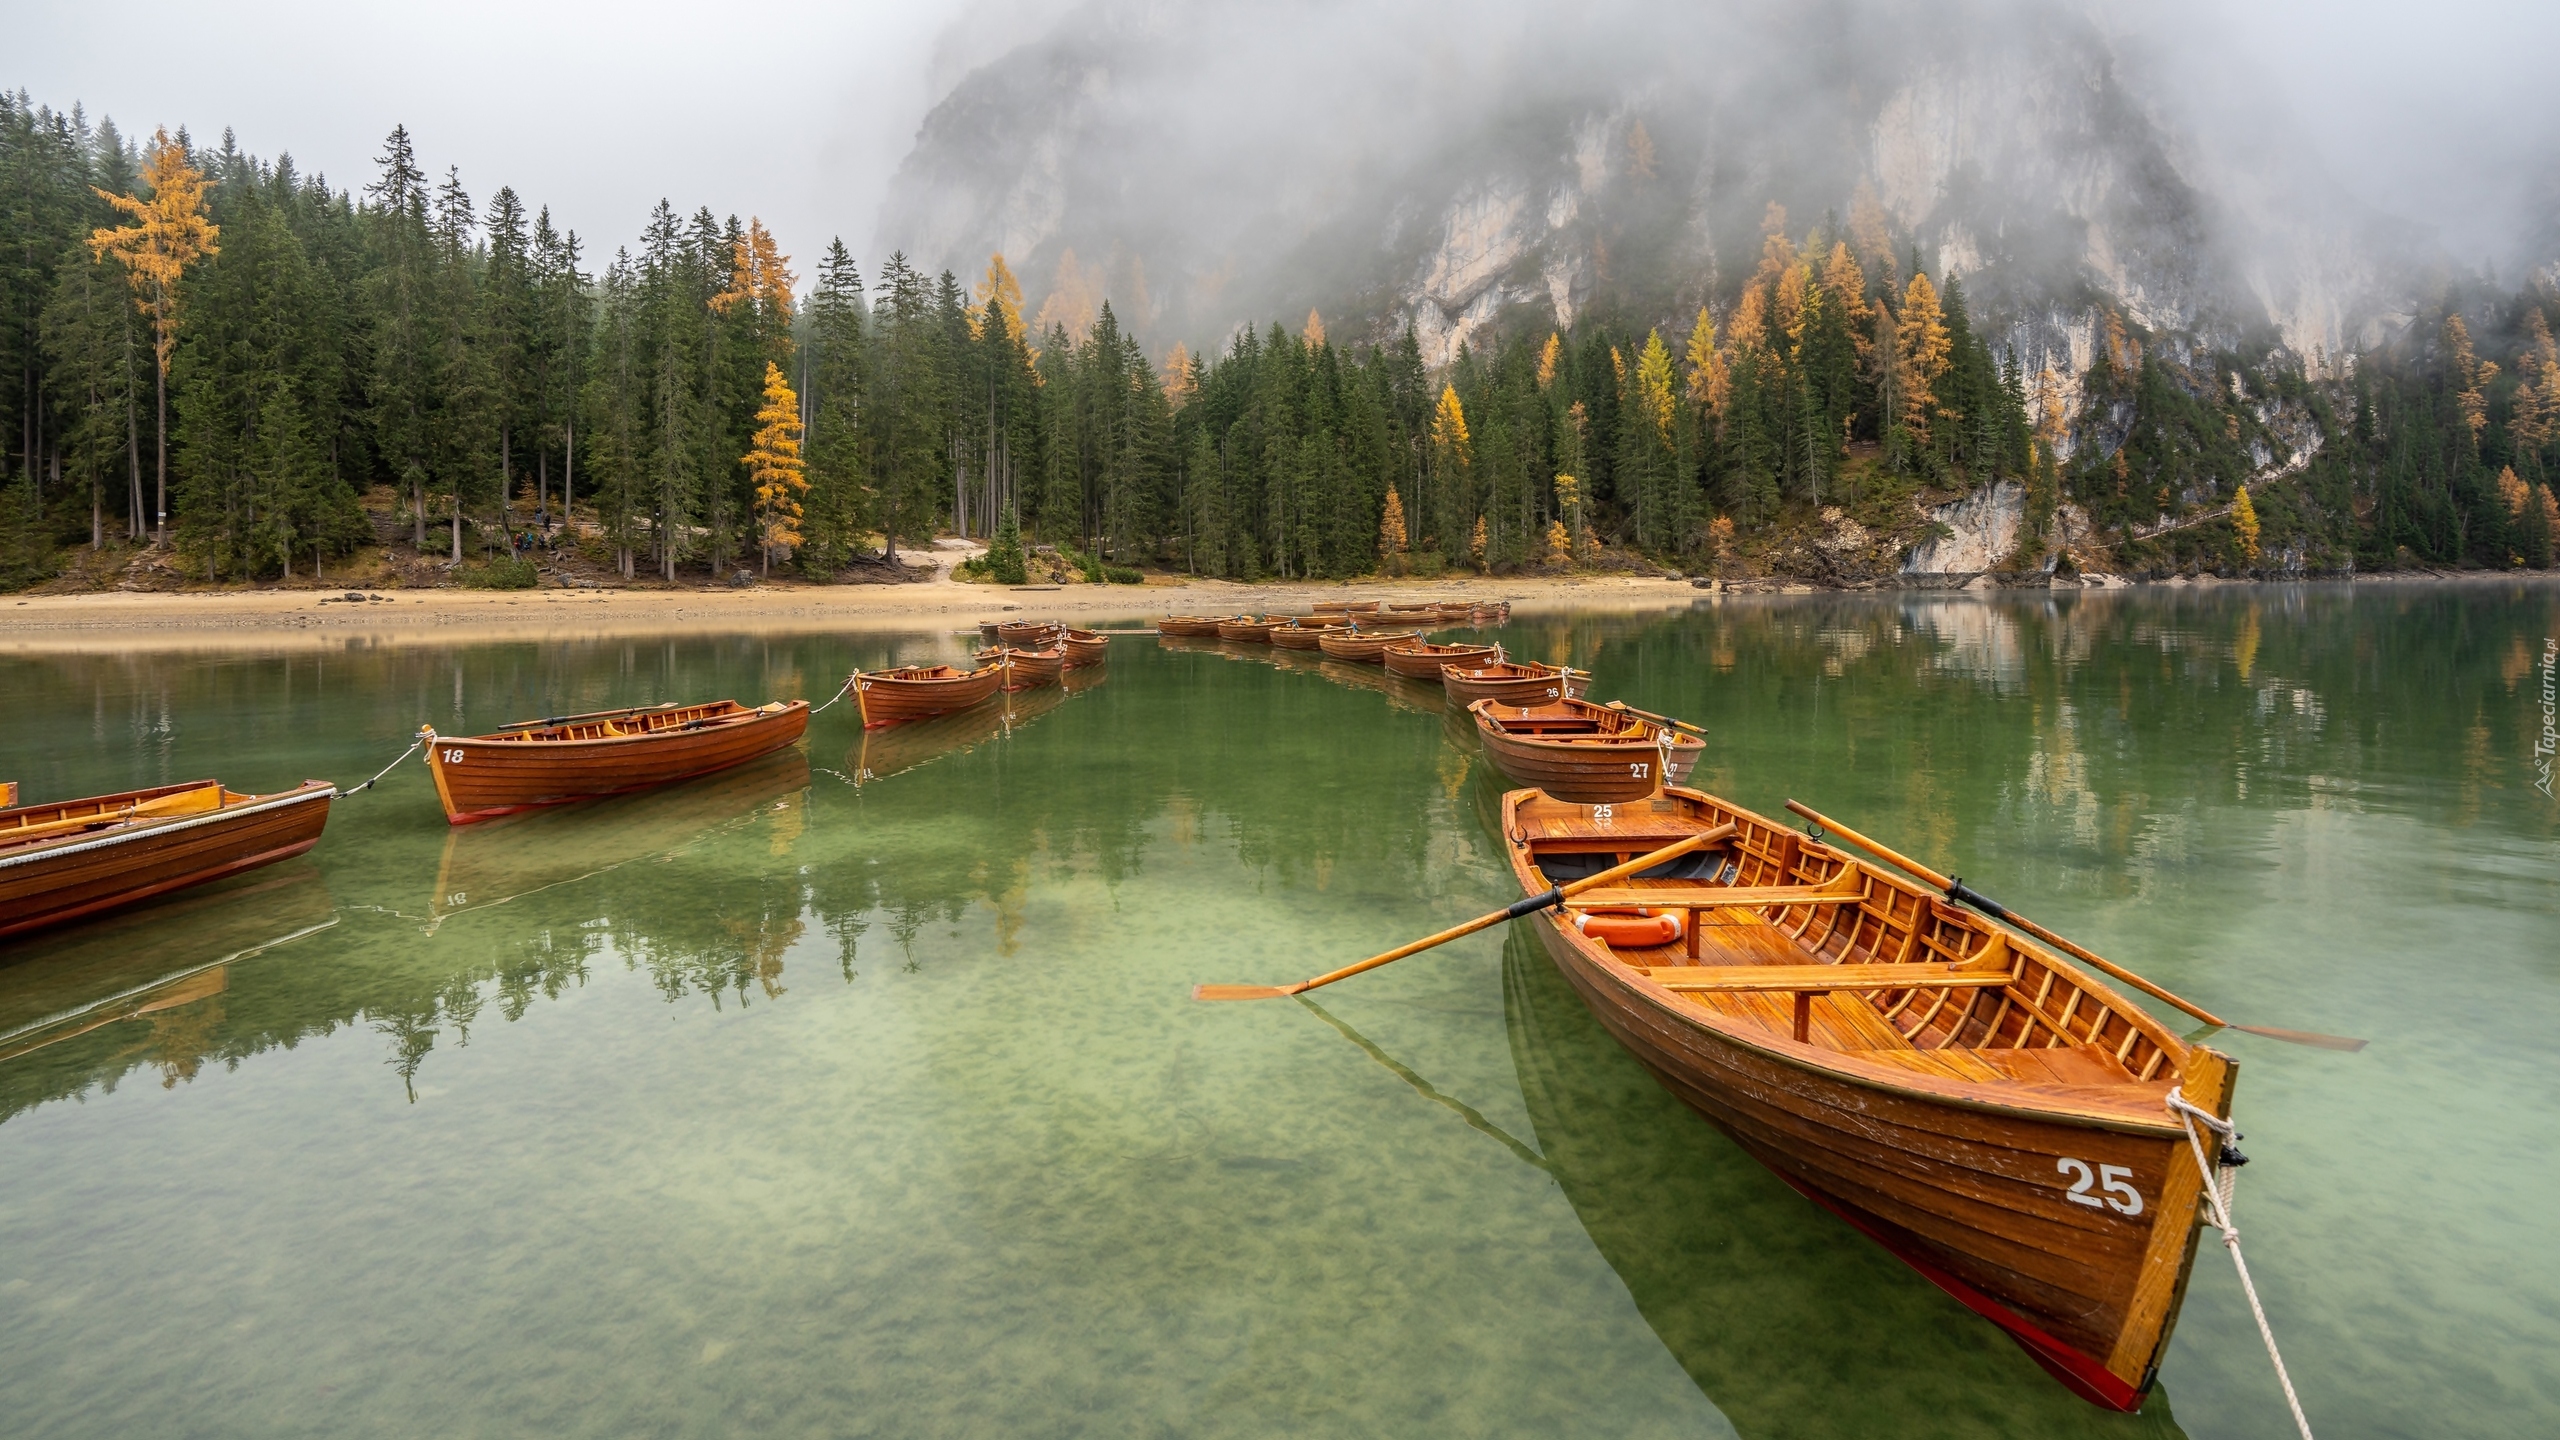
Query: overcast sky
[[800, 112]]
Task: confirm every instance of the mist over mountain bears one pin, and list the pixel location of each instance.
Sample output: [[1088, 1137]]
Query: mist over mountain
[[1211, 164]]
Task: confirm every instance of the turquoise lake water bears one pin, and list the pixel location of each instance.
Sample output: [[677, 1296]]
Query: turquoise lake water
[[856, 1092]]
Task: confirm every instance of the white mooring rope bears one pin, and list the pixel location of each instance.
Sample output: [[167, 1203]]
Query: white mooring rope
[[424, 735], [840, 694], [2221, 1183]]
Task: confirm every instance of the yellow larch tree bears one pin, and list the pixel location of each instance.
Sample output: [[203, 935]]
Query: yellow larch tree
[[1709, 384], [2244, 526], [1313, 334], [760, 282], [1178, 382], [2512, 493], [1000, 295], [1748, 331], [774, 466], [1653, 385], [1788, 298], [1391, 537], [2471, 372], [1548, 355], [1074, 301], [1846, 285], [1475, 544], [1921, 357], [170, 231], [2537, 400]]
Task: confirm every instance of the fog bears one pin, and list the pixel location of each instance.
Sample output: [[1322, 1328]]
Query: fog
[[803, 112]]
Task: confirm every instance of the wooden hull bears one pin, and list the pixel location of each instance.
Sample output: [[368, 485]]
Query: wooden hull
[[1027, 634], [1963, 1173], [1029, 669], [1245, 632], [481, 777], [1298, 637], [1585, 771], [1194, 626], [1514, 685], [892, 697], [1365, 647], [1424, 662], [93, 872], [487, 864], [898, 749], [1085, 648]]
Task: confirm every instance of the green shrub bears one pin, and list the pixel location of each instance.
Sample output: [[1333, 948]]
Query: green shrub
[[1122, 575], [499, 575]]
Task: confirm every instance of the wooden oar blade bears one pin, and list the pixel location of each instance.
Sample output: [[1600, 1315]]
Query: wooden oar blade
[[2304, 1037], [1242, 992]]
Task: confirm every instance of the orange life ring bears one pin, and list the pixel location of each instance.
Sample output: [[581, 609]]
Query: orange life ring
[[1629, 929]]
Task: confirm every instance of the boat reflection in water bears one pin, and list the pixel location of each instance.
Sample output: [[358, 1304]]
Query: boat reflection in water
[[1790, 1321], [504, 859], [1403, 694], [154, 963], [901, 748]]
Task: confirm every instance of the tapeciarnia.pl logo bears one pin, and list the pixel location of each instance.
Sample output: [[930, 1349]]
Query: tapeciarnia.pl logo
[[2549, 741]]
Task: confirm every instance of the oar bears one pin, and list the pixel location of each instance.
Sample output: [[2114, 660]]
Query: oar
[[1513, 911], [1957, 891], [1649, 715]]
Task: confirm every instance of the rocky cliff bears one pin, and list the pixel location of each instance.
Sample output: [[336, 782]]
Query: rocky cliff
[[1213, 163]]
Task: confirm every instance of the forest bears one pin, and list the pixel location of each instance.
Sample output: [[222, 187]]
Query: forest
[[229, 365]]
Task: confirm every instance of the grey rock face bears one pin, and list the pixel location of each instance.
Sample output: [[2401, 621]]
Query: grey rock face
[[1217, 164]]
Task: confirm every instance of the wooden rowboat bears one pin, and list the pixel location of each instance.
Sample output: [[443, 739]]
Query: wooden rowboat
[[1304, 633], [1026, 669], [1422, 660], [900, 748], [1584, 753], [1514, 683], [1199, 626], [1086, 647], [912, 692], [1247, 630], [610, 752], [1362, 646], [1028, 634], [1991, 1115], [62, 862]]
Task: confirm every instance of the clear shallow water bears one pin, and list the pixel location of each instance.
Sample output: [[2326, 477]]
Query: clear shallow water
[[787, 1104]]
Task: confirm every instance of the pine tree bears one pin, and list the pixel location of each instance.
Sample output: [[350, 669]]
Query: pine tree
[[835, 364]]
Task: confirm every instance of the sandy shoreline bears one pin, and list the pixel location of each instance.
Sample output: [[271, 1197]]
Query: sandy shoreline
[[318, 618], [310, 618]]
